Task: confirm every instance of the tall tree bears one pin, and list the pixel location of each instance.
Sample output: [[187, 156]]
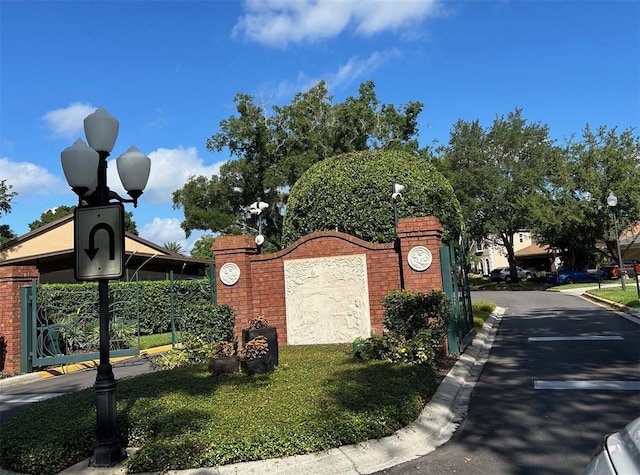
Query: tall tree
[[498, 173], [6, 195], [202, 247], [574, 217], [61, 211], [272, 149], [173, 246]]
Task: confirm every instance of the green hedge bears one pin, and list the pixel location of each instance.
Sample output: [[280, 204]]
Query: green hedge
[[150, 299]]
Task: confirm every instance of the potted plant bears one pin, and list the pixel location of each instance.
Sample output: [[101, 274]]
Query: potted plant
[[259, 325], [224, 358], [254, 356]]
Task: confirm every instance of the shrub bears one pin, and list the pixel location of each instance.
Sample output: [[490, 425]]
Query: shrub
[[415, 327], [212, 323], [339, 182], [409, 312]]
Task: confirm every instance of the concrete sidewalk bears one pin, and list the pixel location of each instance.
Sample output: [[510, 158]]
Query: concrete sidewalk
[[435, 426]]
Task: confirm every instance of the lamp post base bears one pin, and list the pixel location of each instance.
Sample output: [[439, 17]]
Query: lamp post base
[[108, 452], [107, 455]]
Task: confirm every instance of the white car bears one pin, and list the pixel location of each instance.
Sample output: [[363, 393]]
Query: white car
[[618, 453], [504, 273]]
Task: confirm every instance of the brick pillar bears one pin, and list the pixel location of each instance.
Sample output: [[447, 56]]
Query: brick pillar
[[12, 278], [236, 250], [427, 232]]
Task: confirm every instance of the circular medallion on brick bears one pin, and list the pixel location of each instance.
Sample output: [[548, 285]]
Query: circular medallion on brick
[[419, 258], [229, 273]]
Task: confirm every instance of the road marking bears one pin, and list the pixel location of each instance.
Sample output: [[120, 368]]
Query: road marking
[[589, 385], [577, 338], [26, 398]]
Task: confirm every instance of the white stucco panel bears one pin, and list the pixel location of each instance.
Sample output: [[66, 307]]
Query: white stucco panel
[[327, 300]]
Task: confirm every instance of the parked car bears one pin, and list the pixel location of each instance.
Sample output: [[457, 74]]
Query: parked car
[[569, 276], [504, 273], [613, 269], [618, 453]]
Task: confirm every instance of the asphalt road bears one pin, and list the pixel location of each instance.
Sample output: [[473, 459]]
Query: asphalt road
[[14, 399], [517, 423]]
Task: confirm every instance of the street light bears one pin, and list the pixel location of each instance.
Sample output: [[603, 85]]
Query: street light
[[257, 207], [85, 168], [396, 197], [612, 201]]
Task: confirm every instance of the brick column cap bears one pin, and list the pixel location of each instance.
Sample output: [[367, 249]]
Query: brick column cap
[[240, 244], [420, 226]]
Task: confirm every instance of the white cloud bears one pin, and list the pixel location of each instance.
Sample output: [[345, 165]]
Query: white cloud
[[30, 179], [170, 170], [68, 122], [163, 230], [280, 22], [354, 69]]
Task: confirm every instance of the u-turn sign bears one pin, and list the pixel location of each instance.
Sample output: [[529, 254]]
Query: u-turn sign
[[99, 242]]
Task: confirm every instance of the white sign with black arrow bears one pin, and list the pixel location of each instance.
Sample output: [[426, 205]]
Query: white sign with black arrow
[[99, 242]]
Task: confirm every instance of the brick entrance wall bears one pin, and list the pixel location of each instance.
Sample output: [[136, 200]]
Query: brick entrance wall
[[12, 278], [261, 284]]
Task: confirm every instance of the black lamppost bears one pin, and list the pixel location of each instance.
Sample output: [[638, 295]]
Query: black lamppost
[[612, 201], [85, 168]]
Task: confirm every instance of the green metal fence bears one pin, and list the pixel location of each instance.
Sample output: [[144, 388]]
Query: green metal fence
[[455, 281]]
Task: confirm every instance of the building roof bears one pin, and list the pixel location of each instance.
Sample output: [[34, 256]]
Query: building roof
[[534, 250], [51, 247]]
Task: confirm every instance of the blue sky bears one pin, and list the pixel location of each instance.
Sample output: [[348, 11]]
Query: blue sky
[[168, 71]]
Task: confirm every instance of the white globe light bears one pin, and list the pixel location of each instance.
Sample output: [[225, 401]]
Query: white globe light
[[80, 165], [134, 168], [101, 130]]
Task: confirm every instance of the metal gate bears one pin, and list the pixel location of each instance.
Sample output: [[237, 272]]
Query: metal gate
[[455, 283], [51, 338]]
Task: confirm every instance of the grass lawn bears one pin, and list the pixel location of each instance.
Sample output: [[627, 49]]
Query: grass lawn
[[481, 311], [153, 341], [318, 398], [629, 297]]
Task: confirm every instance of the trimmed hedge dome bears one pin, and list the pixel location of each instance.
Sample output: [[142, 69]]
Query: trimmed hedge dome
[[351, 193]]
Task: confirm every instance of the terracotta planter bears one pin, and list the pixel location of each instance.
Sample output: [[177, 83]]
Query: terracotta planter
[[271, 335], [226, 364], [257, 365]]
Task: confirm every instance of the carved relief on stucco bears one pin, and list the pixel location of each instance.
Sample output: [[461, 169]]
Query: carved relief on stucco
[[327, 300]]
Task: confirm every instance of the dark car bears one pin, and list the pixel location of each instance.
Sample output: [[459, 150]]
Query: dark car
[[612, 268], [568, 276], [504, 273]]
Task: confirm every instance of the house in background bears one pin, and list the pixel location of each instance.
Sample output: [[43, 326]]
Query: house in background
[[531, 255], [491, 255], [50, 249]]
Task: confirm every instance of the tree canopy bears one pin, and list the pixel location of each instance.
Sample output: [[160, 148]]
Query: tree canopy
[[6, 195], [352, 193], [573, 215], [273, 148], [498, 174]]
